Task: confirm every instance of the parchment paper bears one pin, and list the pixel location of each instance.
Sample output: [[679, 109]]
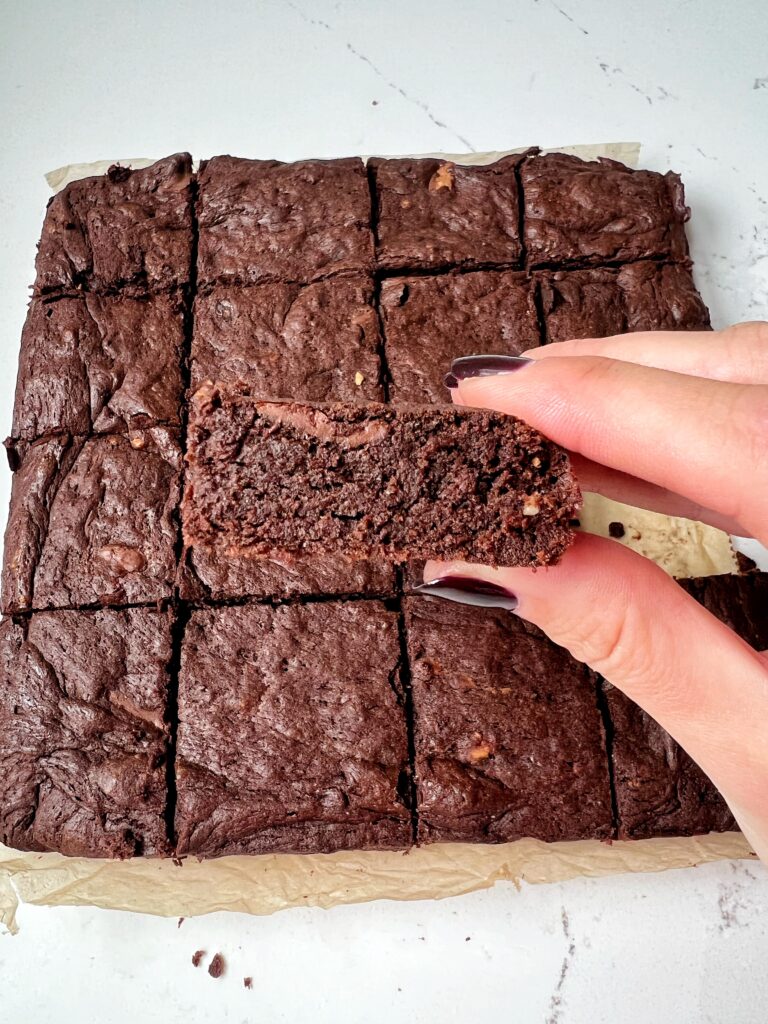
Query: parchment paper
[[262, 885]]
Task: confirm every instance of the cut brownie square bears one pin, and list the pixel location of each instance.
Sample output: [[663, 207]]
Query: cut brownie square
[[433, 213], [83, 732], [660, 791], [509, 738], [292, 733], [591, 212], [97, 364], [598, 303], [430, 321], [126, 229], [315, 342], [263, 220], [373, 481], [93, 522]]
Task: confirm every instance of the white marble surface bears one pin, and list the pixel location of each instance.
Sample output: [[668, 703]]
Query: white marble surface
[[87, 80]]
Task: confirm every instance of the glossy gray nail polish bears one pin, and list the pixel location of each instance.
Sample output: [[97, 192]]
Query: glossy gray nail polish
[[483, 366], [467, 590]]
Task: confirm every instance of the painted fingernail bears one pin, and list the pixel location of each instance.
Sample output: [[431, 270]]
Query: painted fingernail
[[482, 366], [467, 590]]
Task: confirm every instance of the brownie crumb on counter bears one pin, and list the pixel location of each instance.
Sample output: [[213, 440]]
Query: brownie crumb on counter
[[248, 982], [217, 966], [396, 482], [197, 957], [616, 530]]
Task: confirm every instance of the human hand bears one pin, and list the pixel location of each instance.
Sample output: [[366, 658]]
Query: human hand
[[677, 423]]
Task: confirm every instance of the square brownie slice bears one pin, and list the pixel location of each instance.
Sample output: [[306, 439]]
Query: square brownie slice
[[660, 790], [431, 214], [129, 230], [600, 211], [93, 522], [263, 220], [509, 738], [292, 733], [430, 321], [316, 342], [83, 732], [96, 364], [598, 303]]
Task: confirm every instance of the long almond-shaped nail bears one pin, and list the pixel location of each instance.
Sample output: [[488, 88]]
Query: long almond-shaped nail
[[483, 366], [468, 590]]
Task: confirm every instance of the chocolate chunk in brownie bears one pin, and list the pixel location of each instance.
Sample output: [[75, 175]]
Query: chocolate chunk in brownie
[[509, 739], [599, 303], [434, 213], [430, 321], [316, 342], [592, 212], [376, 480], [127, 229], [92, 522], [96, 364], [83, 732], [660, 791], [262, 220], [292, 733]]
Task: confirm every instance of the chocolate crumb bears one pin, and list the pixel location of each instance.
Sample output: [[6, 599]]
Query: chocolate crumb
[[468, 938], [197, 957], [180, 922], [248, 982], [216, 966], [616, 530]]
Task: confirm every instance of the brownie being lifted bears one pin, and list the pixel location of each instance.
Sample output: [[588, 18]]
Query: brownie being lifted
[[413, 481]]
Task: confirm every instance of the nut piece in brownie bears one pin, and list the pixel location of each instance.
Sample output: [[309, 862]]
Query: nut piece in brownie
[[375, 480], [292, 732], [83, 732], [509, 739], [262, 220], [434, 213], [317, 342], [598, 303], [660, 791], [600, 211], [127, 229], [92, 522], [430, 321], [96, 364]]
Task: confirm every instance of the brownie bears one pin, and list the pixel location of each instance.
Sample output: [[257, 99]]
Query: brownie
[[395, 482], [93, 522], [263, 220], [95, 363], [126, 229], [599, 211], [598, 303], [316, 342], [83, 732], [509, 739], [430, 321], [292, 733], [660, 790], [434, 213]]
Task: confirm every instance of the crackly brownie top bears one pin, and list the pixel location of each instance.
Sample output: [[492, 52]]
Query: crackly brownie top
[[83, 732], [316, 342], [435, 213], [430, 321], [600, 211], [94, 364], [263, 220], [126, 229]]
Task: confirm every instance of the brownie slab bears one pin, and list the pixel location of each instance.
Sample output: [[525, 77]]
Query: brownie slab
[[600, 211], [430, 321], [93, 522], [599, 303], [317, 342], [292, 733], [127, 229], [660, 791], [509, 739], [95, 364], [263, 220], [83, 732], [433, 214], [394, 482]]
